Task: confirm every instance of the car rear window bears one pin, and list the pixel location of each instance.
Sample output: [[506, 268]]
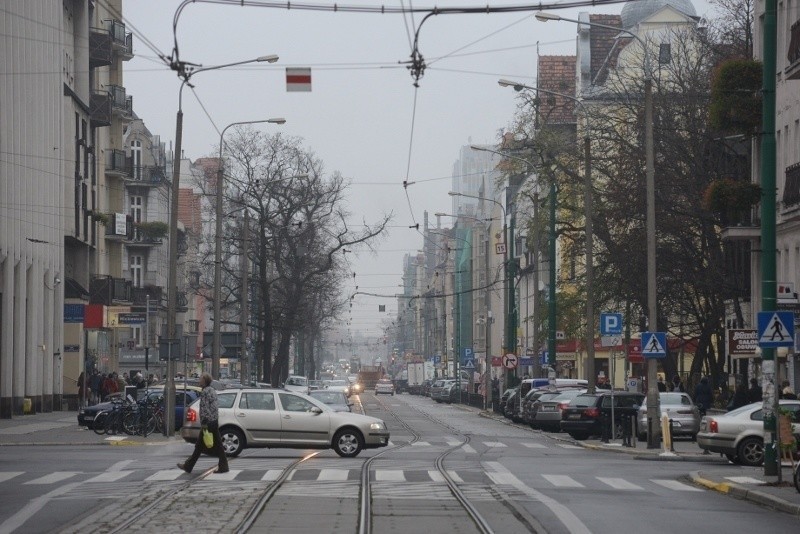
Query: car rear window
[[225, 400], [567, 395], [584, 401]]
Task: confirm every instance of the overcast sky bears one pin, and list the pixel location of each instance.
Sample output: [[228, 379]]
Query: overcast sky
[[358, 117]]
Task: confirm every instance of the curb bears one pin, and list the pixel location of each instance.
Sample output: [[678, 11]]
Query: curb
[[758, 497]]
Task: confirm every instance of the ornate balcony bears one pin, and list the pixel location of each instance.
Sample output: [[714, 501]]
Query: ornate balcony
[[117, 163], [122, 40], [100, 108], [108, 290]]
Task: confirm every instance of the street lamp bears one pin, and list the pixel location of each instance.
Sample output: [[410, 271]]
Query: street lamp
[[217, 346], [172, 272], [653, 401], [588, 201]]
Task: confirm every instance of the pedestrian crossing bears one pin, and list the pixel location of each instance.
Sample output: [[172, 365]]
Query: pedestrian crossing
[[474, 446], [324, 480]]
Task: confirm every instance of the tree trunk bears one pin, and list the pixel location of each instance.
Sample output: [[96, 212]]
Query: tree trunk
[[280, 366]]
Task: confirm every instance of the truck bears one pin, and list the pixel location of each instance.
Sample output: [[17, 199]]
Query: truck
[[416, 377], [369, 375]]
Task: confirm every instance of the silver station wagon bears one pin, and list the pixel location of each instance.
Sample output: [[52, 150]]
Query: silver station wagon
[[278, 418]]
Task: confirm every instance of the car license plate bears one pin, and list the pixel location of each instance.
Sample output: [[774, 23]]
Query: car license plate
[[574, 416], [548, 408]]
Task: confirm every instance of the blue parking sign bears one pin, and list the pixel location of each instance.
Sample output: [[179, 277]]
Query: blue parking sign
[[610, 324]]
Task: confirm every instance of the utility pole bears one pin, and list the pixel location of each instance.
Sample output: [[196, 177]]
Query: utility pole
[[245, 362]]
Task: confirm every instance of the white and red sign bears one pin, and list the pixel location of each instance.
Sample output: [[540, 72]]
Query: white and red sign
[[510, 361], [298, 80]]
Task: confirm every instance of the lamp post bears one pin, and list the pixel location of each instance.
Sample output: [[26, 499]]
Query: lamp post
[[172, 272], [217, 346], [653, 401], [588, 214]]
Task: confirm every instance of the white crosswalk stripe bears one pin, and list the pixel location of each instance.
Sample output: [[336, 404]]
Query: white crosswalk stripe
[[390, 475], [453, 442], [165, 474], [9, 475], [674, 485], [494, 444], [469, 449], [52, 478], [420, 444], [745, 480], [566, 446], [271, 474], [230, 475], [563, 481], [619, 483], [453, 475], [436, 476], [534, 445], [110, 476], [333, 474]]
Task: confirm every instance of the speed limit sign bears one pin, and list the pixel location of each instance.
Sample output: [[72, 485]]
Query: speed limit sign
[[510, 361]]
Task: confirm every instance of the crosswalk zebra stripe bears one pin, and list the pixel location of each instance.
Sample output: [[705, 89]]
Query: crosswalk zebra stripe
[[566, 446], [563, 481], [745, 480], [453, 442], [619, 483], [110, 476], [469, 449], [164, 474], [674, 485], [457, 479], [436, 476], [420, 444], [52, 478], [230, 475], [390, 475], [534, 445], [9, 475], [333, 474], [271, 474], [494, 444]]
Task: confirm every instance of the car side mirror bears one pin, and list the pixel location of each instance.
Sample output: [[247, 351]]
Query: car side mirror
[[316, 410]]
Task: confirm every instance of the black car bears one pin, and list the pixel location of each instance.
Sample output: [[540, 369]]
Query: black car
[[86, 415], [587, 413], [501, 405]]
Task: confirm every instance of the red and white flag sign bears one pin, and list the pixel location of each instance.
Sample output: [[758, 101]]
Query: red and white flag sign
[[298, 79]]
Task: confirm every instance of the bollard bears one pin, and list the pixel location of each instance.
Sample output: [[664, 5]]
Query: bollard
[[671, 440], [665, 432], [634, 431]]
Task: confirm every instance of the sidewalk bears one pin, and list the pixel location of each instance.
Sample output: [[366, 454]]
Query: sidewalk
[[715, 471], [61, 428]]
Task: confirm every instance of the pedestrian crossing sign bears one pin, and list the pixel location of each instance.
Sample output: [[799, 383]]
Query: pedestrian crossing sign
[[469, 364], [654, 344], [775, 329]]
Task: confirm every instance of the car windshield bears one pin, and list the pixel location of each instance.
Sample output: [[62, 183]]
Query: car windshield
[[584, 401], [337, 383], [297, 381], [549, 395], [671, 399], [384, 381], [329, 397]]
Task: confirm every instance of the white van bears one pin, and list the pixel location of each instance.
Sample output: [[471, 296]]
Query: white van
[[535, 383]]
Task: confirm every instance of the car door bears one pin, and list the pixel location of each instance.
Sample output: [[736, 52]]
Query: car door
[[258, 414], [299, 424]]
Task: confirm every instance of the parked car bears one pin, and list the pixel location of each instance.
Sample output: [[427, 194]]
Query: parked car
[[384, 385], [426, 388], [527, 403], [537, 403], [335, 399], [438, 388], [183, 397], [314, 384], [548, 416], [684, 413], [739, 434], [501, 405], [587, 413], [512, 406], [276, 418], [451, 391]]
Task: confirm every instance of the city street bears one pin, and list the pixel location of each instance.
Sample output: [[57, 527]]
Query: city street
[[511, 478]]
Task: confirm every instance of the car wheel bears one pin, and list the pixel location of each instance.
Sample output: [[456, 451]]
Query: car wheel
[[232, 441], [732, 458], [580, 436], [348, 443], [99, 423], [750, 452]]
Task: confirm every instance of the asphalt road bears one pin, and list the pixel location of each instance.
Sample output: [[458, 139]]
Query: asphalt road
[[514, 479]]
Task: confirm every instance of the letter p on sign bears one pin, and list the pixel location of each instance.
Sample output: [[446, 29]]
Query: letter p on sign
[[610, 324]]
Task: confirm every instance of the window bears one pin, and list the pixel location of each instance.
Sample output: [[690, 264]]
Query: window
[[137, 335], [257, 401], [293, 403], [664, 54], [137, 209], [225, 400], [137, 271], [136, 159]]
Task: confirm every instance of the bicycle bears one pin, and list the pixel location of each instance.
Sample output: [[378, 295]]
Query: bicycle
[[110, 421]]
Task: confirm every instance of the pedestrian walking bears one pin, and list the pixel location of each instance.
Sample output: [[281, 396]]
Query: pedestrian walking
[[786, 391], [82, 387], [676, 385], [703, 395], [754, 394], [739, 398], [209, 419], [95, 381], [662, 387]]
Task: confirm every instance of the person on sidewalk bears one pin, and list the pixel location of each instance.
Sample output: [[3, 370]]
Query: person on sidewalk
[[739, 398], [703, 395], [209, 418], [676, 385], [754, 394]]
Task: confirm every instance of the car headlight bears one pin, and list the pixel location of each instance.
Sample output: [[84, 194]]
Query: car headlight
[[376, 426]]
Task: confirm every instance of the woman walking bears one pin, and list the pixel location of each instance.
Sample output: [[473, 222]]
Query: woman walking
[[209, 419]]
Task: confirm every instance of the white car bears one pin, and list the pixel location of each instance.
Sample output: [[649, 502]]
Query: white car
[[338, 385], [384, 385], [276, 418], [296, 383]]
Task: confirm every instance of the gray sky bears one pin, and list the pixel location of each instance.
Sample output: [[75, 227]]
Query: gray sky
[[358, 118]]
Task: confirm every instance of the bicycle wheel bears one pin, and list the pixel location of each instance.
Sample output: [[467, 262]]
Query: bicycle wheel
[[99, 424], [113, 422], [130, 423]]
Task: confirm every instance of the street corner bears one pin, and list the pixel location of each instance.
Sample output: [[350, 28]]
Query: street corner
[[700, 480], [766, 495]]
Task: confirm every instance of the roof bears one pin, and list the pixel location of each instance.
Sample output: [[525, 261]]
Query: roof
[[635, 12]]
